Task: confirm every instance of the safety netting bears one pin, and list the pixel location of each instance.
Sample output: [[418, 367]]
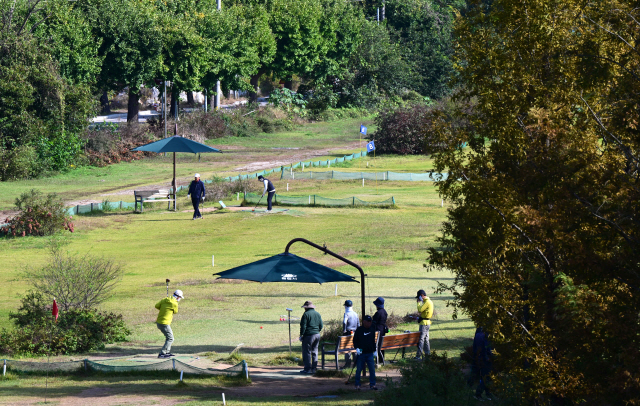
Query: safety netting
[[386, 175], [315, 200], [127, 364]]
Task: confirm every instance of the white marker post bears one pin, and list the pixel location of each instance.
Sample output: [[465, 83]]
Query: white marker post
[[224, 402], [213, 260], [181, 372], [336, 290], [238, 196], [362, 182], [287, 187]]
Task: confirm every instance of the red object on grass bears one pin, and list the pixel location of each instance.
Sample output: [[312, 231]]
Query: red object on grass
[[54, 309]]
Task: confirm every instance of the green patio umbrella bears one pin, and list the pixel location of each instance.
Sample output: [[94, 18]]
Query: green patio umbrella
[[175, 144], [286, 267]]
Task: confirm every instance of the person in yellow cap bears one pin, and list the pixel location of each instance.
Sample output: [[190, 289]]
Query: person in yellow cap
[[167, 308], [425, 308]]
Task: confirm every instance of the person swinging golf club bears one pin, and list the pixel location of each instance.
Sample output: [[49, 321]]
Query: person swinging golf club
[[167, 308], [269, 189], [364, 341]]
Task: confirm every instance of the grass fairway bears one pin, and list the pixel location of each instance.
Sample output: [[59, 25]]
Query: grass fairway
[[217, 316], [325, 140]]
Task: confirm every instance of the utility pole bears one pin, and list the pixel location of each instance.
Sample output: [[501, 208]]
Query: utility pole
[[216, 100]]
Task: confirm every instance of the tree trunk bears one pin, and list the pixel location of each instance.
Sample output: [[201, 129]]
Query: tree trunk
[[288, 84], [190, 100], [253, 96], [175, 97], [209, 97], [133, 107], [104, 103]]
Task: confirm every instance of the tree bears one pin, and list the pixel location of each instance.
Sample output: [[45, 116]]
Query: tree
[[239, 43], [131, 45], [543, 237], [41, 112], [423, 29]]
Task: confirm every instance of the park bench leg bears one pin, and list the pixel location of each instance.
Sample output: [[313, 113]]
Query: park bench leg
[[402, 352], [322, 358], [337, 366]]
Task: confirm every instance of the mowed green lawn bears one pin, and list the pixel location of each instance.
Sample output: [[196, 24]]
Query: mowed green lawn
[[325, 140], [217, 316]]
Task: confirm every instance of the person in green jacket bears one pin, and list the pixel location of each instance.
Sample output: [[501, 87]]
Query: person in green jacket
[[425, 308], [167, 308], [310, 328]]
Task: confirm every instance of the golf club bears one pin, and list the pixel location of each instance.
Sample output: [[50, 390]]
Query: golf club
[[354, 366], [168, 287], [254, 209]]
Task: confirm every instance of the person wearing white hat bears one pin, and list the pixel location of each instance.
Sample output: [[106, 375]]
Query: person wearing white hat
[[167, 308], [197, 192]]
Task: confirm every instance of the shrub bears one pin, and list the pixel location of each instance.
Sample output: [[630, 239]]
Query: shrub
[[291, 101], [437, 381], [76, 282], [76, 331], [220, 189], [39, 215], [401, 131]]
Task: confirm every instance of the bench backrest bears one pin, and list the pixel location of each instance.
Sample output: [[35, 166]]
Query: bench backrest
[[151, 193], [400, 340], [345, 343]]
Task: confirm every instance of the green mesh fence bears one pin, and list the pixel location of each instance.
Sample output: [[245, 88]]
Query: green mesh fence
[[315, 200], [387, 175], [124, 365]]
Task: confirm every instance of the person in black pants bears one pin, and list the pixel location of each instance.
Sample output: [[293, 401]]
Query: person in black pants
[[482, 363], [380, 322], [268, 188], [365, 344], [196, 191]]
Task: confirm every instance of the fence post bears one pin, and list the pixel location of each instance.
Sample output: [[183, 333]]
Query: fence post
[[120, 204], [393, 200], [174, 363], [86, 369], [4, 368], [354, 200], [78, 209], [309, 200], [314, 200]]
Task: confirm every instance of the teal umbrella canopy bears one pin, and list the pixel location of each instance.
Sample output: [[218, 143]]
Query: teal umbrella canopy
[[285, 267], [176, 144]]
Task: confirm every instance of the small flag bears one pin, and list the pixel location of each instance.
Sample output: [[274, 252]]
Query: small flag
[[54, 309], [363, 130], [371, 146]]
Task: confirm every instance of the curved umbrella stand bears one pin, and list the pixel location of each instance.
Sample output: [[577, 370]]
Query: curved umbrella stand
[[341, 258]]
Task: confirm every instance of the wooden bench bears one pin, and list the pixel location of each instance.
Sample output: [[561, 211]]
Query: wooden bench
[[399, 341], [344, 345], [161, 195]]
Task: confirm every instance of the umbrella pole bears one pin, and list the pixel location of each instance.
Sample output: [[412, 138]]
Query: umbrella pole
[[333, 254], [289, 318], [175, 189]]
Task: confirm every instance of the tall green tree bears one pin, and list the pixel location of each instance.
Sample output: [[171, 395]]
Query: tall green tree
[[41, 111], [543, 235], [239, 43], [131, 45], [423, 28]]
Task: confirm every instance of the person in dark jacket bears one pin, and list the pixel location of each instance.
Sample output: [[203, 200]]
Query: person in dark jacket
[[310, 328], [268, 188], [196, 191], [364, 342], [482, 362], [380, 324]]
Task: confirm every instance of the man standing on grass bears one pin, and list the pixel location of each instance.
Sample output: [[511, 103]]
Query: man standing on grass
[[196, 191], [310, 328], [425, 308], [268, 188], [167, 308], [350, 323], [364, 341]]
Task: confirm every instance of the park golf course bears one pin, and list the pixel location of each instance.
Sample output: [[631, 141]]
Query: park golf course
[[217, 316]]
